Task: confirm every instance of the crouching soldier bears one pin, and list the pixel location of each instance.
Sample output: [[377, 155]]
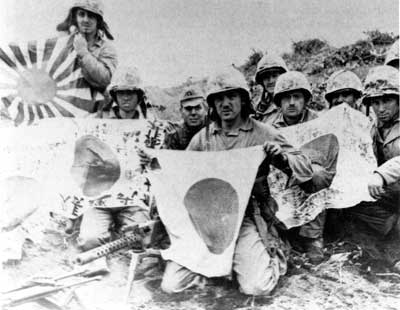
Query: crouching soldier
[[344, 87], [97, 222], [259, 260], [269, 68], [194, 112], [127, 96], [382, 93], [292, 95]]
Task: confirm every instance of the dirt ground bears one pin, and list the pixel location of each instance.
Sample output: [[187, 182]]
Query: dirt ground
[[356, 274]]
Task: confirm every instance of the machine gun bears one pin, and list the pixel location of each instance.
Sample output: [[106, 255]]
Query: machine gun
[[137, 236]]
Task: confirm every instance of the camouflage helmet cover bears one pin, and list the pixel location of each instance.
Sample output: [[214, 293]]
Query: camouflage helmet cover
[[380, 81], [393, 54], [290, 81], [94, 6], [268, 62], [228, 79], [343, 80], [126, 78]]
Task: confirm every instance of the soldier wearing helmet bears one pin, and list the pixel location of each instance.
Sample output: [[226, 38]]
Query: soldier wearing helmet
[[193, 110], [268, 70], [96, 55], [292, 94], [381, 88], [127, 96], [392, 57], [343, 87], [256, 265]]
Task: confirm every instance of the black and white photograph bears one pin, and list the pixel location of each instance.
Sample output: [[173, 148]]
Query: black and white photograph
[[199, 155]]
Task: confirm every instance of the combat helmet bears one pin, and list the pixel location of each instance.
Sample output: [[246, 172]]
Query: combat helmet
[[126, 78], [290, 81], [268, 62], [343, 80], [380, 81]]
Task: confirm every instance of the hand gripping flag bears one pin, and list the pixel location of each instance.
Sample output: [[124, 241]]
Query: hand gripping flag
[[43, 79], [201, 198]]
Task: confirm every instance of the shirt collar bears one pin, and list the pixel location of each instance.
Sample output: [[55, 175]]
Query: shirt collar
[[280, 121], [248, 125]]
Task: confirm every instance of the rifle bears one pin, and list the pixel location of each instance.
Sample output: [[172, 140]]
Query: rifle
[[36, 295], [133, 235]]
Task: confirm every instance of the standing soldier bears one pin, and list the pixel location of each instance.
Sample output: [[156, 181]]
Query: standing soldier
[[194, 112], [292, 94], [127, 96], [392, 57], [259, 260], [343, 87], [268, 70], [96, 56], [382, 93]]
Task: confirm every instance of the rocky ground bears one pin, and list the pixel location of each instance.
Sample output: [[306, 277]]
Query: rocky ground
[[355, 274]]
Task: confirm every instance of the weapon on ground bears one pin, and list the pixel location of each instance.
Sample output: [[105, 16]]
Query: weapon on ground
[[46, 281], [43, 293], [134, 235]]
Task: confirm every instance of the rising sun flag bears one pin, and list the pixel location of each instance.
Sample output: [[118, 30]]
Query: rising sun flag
[[43, 79]]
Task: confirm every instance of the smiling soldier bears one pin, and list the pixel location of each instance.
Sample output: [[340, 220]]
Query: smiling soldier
[[96, 56], [193, 111]]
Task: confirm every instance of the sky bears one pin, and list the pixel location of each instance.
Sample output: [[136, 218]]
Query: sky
[[171, 40]]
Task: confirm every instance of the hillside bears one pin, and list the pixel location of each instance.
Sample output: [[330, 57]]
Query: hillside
[[314, 57]]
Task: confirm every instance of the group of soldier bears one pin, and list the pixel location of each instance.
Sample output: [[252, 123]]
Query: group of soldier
[[225, 118]]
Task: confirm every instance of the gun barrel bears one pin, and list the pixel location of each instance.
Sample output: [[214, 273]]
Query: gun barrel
[[106, 249]]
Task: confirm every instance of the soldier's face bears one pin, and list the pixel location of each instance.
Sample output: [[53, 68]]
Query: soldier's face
[[193, 112], [293, 104], [386, 108], [228, 105], [346, 96], [87, 22], [127, 100], [269, 80]]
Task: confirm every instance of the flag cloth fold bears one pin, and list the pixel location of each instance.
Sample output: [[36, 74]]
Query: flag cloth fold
[[201, 198]]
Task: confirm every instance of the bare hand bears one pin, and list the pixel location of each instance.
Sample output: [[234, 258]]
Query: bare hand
[[275, 153], [80, 44], [375, 186]]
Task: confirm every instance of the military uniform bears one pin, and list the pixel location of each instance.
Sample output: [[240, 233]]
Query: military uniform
[[258, 264], [383, 214], [307, 115], [178, 136], [98, 222], [266, 109]]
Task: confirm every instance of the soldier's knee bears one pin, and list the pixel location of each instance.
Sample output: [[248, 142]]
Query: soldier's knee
[[170, 285], [258, 288]]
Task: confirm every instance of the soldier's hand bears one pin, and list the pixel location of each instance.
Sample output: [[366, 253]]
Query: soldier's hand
[[275, 153], [146, 161], [375, 185], [80, 45]]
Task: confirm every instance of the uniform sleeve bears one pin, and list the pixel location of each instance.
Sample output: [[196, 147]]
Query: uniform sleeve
[[197, 143], [390, 170], [98, 70], [299, 164], [171, 141]]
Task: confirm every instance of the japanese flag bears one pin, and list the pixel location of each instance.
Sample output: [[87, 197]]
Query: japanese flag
[[201, 198]]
